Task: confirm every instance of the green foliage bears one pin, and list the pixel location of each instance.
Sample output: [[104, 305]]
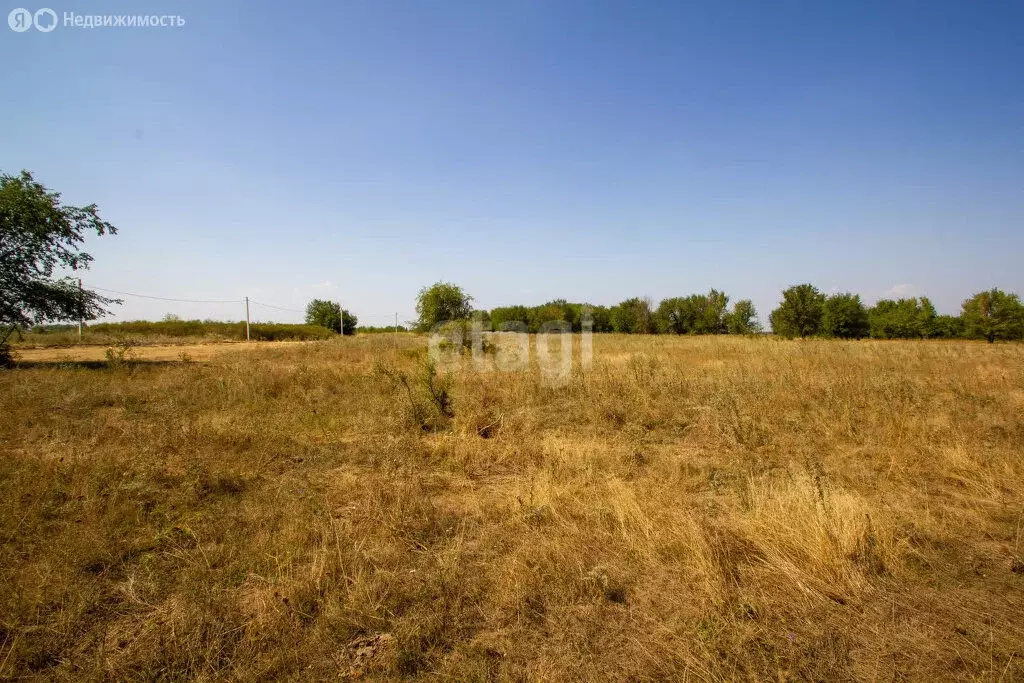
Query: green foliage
[[349, 322], [324, 313], [844, 316], [600, 318], [457, 335], [439, 303], [380, 329], [674, 315], [712, 313], [800, 313], [556, 310], [121, 353], [6, 359], [993, 315], [283, 332], [207, 328], [695, 314], [504, 316], [743, 318], [483, 316], [329, 314], [559, 309], [37, 236], [633, 316], [948, 327], [51, 328], [903, 319], [428, 394]]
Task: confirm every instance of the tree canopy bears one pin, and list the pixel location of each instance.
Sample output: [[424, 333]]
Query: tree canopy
[[994, 314], [329, 314], [743, 318], [441, 302], [39, 237], [844, 316], [799, 315]]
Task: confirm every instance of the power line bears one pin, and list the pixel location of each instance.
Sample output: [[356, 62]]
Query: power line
[[164, 298], [279, 308], [222, 301]]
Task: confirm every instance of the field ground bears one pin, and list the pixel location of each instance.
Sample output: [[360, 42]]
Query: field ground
[[142, 352], [706, 508]]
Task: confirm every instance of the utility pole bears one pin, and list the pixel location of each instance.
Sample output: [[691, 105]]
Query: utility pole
[[341, 320], [81, 308], [246, 318], [396, 330]]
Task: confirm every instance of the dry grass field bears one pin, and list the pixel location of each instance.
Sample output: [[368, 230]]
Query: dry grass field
[[702, 508], [91, 353]]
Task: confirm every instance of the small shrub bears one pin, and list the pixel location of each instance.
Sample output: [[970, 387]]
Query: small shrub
[[429, 396], [121, 353]]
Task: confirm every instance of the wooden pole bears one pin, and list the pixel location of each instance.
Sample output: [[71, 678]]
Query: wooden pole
[[246, 318], [81, 308]]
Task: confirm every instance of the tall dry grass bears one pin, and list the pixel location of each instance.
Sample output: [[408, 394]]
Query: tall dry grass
[[707, 508]]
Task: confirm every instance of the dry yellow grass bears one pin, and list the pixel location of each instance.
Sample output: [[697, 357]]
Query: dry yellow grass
[[706, 508], [142, 352]]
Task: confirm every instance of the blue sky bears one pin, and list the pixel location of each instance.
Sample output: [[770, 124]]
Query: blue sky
[[530, 150]]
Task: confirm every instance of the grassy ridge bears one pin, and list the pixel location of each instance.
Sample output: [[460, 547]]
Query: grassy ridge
[[199, 328], [714, 508], [170, 330]]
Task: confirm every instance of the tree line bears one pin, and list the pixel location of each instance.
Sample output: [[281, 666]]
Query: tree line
[[695, 314], [41, 236], [804, 312]]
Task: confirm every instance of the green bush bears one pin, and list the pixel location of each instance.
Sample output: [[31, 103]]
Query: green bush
[[694, 314], [207, 328], [380, 329], [286, 332], [844, 316], [993, 315], [904, 319], [799, 314]]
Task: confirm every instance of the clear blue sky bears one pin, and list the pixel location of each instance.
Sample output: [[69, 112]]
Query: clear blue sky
[[531, 150]]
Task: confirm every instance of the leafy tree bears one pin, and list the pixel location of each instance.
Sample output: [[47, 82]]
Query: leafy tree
[[601, 319], [695, 314], [329, 314], [711, 312], [994, 315], [926, 315], [844, 316], [509, 314], [633, 316], [349, 322], [743, 318], [903, 319], [948, 327], [675, 315], [799, 314], [571, 313], [39, 235], [545, 313], [441, 302]]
